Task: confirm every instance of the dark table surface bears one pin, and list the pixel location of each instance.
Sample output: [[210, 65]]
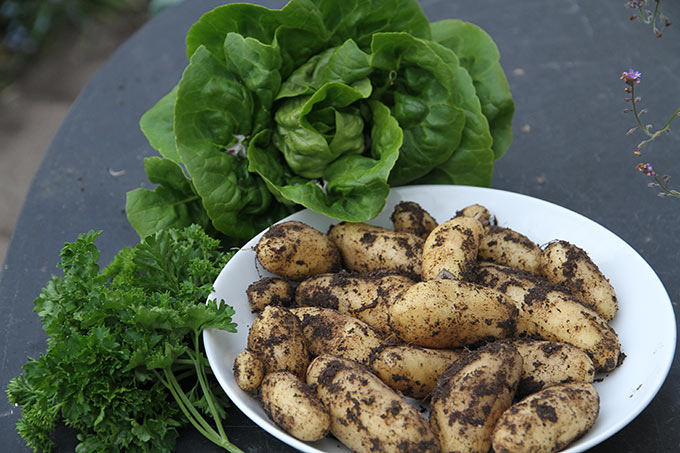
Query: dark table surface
[[563, 61]]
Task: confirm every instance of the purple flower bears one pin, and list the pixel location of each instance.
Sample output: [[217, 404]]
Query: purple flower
[[631, 77], [647, 169], [636, 4]]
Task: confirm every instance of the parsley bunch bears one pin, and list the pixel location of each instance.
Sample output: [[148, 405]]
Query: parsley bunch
[[123, 364]]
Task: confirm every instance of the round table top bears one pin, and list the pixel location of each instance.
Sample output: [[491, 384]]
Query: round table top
[[563, 61]]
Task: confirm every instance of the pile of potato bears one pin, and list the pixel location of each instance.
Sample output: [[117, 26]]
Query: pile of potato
[[501, 337]]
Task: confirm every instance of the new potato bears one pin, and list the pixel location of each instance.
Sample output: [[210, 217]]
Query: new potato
[[472, 394], [276, 338], [328, 331], [248, 371], [551, 314], [448, 313], [363, 296], [295, 251], [452, 247], [270, 291], [510, 248], [410, 369], [548, 363], [294, 406], [566, 264], [367, 248], [410, 217], [547, 421], [367, 415]]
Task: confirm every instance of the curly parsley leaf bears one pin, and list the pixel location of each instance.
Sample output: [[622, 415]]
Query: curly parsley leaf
[[124, 345]]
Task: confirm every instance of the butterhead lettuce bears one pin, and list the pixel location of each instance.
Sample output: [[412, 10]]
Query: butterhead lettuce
[[323, 104]]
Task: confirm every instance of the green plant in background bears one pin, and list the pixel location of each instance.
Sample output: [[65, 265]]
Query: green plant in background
[[653, 17], [632, 78]]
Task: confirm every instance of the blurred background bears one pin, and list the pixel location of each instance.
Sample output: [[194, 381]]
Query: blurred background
[[49, 50]]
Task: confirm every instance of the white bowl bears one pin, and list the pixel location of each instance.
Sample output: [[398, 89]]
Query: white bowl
[[645, 321]]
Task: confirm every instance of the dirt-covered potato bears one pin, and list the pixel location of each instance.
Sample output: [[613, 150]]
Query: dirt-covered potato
[[547, 421], [566, 264], [548, 363], [364, 296], [478, 212], [510, 248], [410, 369], [270, 291], [295, 251], [472, 394], [410, 217], [328, 331], [367, 415], [276, 338], [248, 371], [551, 314], [367, 248], [294, 406], [452, 247], [446, 313]]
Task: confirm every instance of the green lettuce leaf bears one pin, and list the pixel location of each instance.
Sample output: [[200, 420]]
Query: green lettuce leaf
[[472, 162], [157, 126], [418, 86], [173, 204], [353, 188], [313, 131], [359, 20], [213, 110], [479, 55]]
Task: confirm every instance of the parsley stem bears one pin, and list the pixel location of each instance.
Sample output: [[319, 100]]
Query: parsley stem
[[202, 379], [171, 383]]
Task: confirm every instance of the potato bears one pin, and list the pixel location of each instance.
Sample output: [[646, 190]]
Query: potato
[[566, 264], [452, 247], [410, 369], [330, 332], [367, 415], [479, 212], [510, 248], [248, 371], [366, 248], [548, 363], [363, 296], [410, 217], [551, 314], [447, 313], [270, 291], [295, 251], [547, 421], [276, 338], [472, 394], [294, 406]]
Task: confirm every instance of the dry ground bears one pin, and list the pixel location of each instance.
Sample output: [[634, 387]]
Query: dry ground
[[33, 107]]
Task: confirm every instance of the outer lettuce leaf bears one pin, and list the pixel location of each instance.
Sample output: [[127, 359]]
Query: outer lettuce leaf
[[355, 186], [213, 109], [257, 66], [419, 89], [157, 126], [360, 19], [297, 28], [479, 55], [173, 204], [472, 162]]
